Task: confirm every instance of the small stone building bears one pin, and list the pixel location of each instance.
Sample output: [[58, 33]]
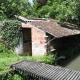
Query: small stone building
[[39, 35]]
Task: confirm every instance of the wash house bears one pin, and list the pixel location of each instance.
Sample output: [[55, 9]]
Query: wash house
[[40, 36]]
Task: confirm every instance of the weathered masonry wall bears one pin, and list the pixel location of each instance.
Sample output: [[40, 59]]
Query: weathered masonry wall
[[38, 40]]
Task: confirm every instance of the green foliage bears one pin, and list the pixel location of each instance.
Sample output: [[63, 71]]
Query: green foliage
[[3, 49], [13, 75], [9, 8], [57, 9], [10, 32], [10, 76], [6, 59], [61, 10], [49, 59]]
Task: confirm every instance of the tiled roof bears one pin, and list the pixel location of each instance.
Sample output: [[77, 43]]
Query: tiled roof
[[52, 27]]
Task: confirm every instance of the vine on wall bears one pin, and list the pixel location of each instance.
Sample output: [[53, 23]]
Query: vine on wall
[[10, 32]]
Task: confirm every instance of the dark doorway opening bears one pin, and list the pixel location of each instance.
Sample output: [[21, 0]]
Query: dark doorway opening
[[27, 44]]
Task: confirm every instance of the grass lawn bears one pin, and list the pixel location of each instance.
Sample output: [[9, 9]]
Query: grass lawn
[[6, 59]]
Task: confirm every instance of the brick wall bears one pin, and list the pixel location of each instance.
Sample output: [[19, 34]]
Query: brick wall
[[38, 40]]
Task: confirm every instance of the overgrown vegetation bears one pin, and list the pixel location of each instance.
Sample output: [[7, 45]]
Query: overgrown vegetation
[[13, 75], [62, 10], [10, 32], [8, 56], [9, 8]]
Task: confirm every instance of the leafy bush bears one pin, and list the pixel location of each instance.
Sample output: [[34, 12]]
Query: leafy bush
[[11, 75], [3, 49], [5, 59], [49, 59], [10, 32]]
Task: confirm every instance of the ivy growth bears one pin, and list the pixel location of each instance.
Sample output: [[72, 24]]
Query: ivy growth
[[10, 32]]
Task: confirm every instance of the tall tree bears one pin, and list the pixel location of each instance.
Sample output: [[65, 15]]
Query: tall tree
[[9, 8], [63, 10]]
